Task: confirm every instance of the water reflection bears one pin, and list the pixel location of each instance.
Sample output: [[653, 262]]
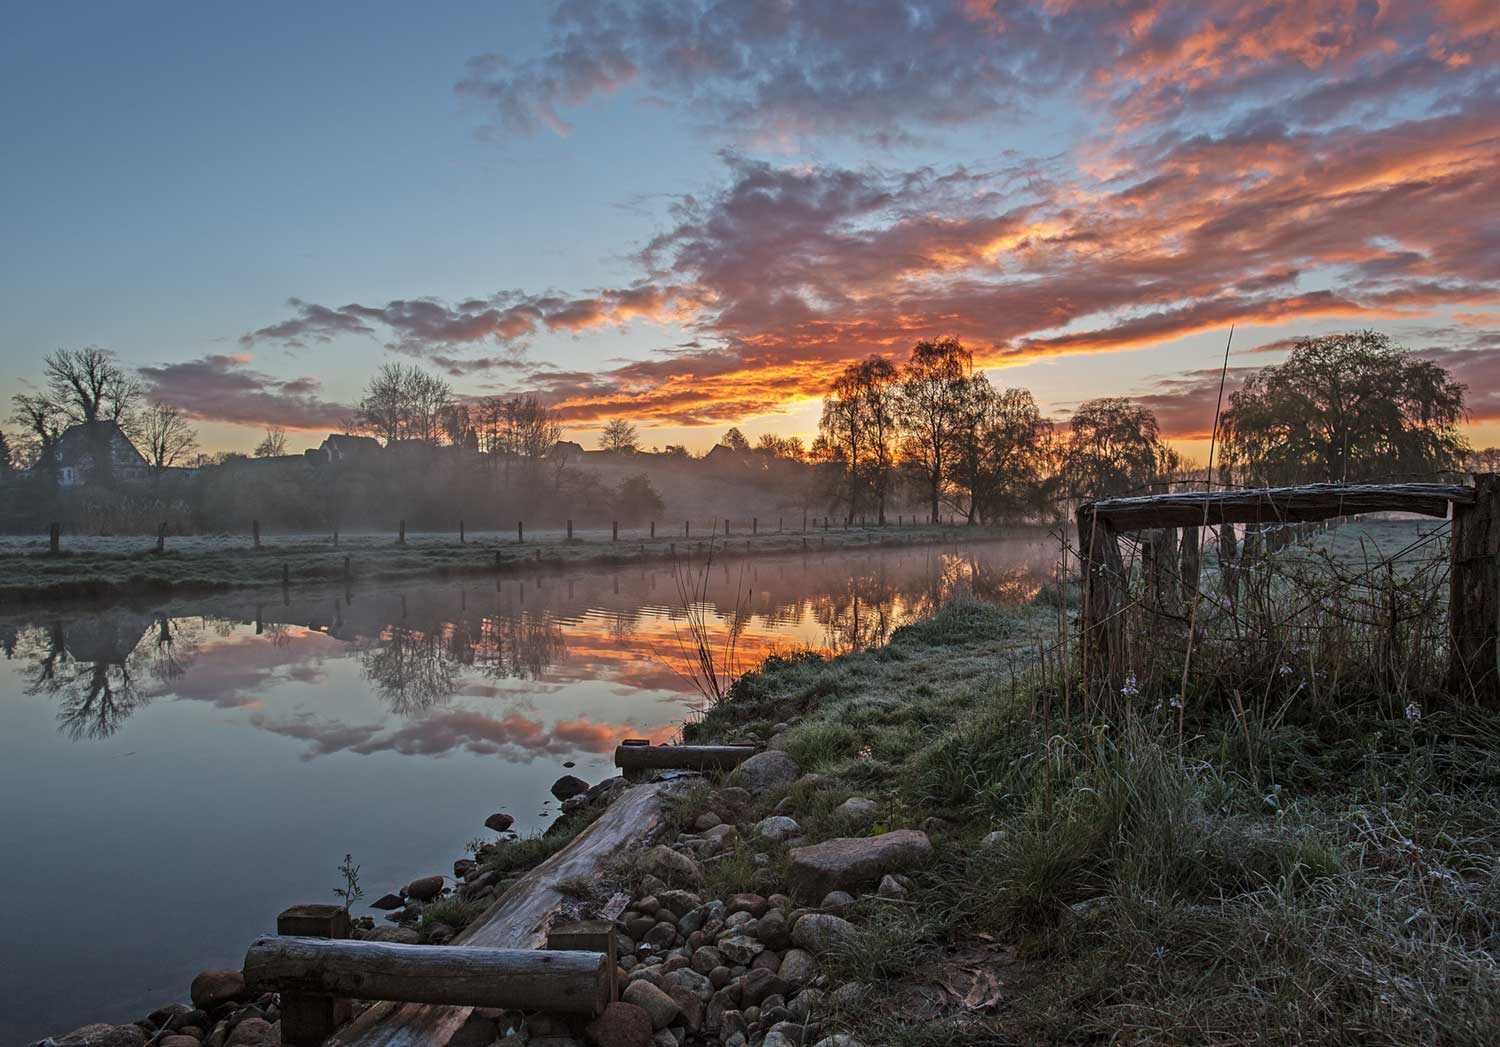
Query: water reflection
[[418, 647]]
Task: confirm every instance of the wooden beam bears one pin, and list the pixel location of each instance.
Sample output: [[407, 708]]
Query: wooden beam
[[683, 757], [1276, 504], [534, 979], [520, 919], [1474, 595], [308, 1020]]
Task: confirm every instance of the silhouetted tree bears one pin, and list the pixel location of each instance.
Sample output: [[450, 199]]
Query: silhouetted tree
[[929, 405], [1114, 447], [619, 436], [166, 437]]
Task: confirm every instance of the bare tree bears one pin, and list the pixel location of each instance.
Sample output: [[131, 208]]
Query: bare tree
[[42, 421], [87, 385], [274, 444], [167, 436], [620, 436]]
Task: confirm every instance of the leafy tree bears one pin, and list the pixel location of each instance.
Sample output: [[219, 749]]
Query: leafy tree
[[636, 500], [166, 436], [781, 446], [1114, 447], [858, 431], [735, 440], [929, 405], [620, 436], [1345, 407], [1003, 453], [274, 444], [42, 420], [5, 456]]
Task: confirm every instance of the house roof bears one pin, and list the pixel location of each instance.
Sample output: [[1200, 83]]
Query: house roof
[[78, 443]]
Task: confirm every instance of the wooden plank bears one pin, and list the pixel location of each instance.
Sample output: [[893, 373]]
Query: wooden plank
[[685, 757], [1276, 504], [521, 917], [556, 982]]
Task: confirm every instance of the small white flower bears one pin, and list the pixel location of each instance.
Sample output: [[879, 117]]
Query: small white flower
[[1177, 703], [1413, 711], [1131, 689], [1285, 670]]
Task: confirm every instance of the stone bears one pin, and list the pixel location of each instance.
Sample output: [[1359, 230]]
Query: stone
[[774, 929], [462, 867], [177, 1041], [890, 889], [706, 821], [836, 900], [777, 1038], [253, 1032], [797, 967], [753, 904], [499, 821], [395, 935], [101, 1034], [476, 1032], [740, 948], [660, 937], [621, 1025], [569, 786], [759, 984], [994, 839], [439, 934], [689, 1007], [819, 932], [213, 988], [706, 959], [574, 804], [658, 1005], [670, 865], [858, 810], [680, 903], [763, 772], [778, 827], [770, 960], [847, 863], [425, 888], [838, 1039]]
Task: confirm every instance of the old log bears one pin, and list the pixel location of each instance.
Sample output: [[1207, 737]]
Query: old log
[[309, 1019], [682, 757], [1276, 504], [1474, 594], [521, 918], [534, 979]]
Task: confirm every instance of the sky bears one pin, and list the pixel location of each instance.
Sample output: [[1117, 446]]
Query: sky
[[693, 214]]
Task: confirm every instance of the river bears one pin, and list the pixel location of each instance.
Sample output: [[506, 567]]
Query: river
[[174, 773]]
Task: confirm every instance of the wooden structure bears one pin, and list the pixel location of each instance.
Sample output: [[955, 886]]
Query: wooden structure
[[308, 1020], [1474, 603], [519, 919], [533, 979], [637, 754]]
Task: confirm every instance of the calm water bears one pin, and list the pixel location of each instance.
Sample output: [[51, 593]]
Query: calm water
[[172, 775]]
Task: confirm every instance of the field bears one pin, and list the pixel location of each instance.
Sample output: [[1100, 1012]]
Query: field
[[105, 567]]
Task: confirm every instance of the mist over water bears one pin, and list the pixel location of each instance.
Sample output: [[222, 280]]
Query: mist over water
[[173, 775]]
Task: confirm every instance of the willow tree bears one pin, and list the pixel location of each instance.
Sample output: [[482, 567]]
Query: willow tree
[[1350, 406], [930, 399], [1114, 447]]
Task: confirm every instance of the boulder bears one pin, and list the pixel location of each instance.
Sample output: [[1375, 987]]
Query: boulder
[[763, 772], [395, 935], [388, 902], [661, 1008], [213, 988], [102, 1035], [478, 1031], [858, 810], [569, 786], [847, 863], [621, 1025], [499, 821], [425, 889], [778, 827], [754, 904], [706, 821], [177, 1041], [253, 1032], [890, 889], [819, 932], [671, 865], [798, 968]]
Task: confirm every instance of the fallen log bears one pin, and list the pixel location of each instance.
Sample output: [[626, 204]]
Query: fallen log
[[1275, 504], [521, 918], [533, 979], [682, 757]]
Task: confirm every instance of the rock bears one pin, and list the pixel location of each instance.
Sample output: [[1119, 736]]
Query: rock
[[778, 827], [440, 934], [101, 1034], [462, 867], [706, 821], [658, 1005], [890, 890], [740, 948], [836, 900], [177, 1041], [819, 932], [388, 902], [858, 810], [759, 984], [660, 937], [679, 902], [574, 803], [774, 929], [253, 1032], [499, 821], [395, 935], [689, 1007], [662, 861], [778, 1038], [569, 786], [425, 889], [994, 839], [935, 826], [763, 772], [797, 968], [213, 988], [847, 863], [838, 1039], [621, 1025], [735, 797], [753, 904], [706, 959], [476, 1032]]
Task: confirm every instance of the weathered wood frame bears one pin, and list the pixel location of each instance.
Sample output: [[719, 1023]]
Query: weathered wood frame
[[1474, 581]]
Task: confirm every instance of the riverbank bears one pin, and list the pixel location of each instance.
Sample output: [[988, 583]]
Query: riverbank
[[109, 569]]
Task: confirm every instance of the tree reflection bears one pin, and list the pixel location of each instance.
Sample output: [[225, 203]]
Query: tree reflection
[[97, 694], [412, 669], [520, 646]]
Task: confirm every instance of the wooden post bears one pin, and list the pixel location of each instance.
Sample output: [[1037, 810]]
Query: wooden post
[[497, 560], [1474, 594], [1103, 578], [346, 568], [570, 530], [286, 576], [460, 532], [307, 1020], [653, 528], [754, 525], [401, 539], [1189, 563], [726, 527], [54, 538], [614, 530], [335, 537], [687, 527], [520, 532], [597, 936], [255, 532]]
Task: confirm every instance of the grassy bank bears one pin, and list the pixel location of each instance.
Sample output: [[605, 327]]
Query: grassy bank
[[121, 567], [1324, 872]]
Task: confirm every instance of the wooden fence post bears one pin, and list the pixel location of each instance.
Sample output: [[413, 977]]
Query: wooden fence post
[[653, 528], [570, 530], [161, 538], [754, 525], [687, 527], [54, 538], [1474, 594], [520, 531], [255, 532], [307, 1020], [589, 936], [401, 540], [1103, 576], [614, 530], [726, 527], [460, 532]]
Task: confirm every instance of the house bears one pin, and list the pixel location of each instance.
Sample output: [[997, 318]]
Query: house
[[80, 447], [346, 449]]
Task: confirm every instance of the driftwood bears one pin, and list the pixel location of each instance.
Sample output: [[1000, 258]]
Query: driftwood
[[534, 979], [521, 918], [1275, 504], [686, 757]]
